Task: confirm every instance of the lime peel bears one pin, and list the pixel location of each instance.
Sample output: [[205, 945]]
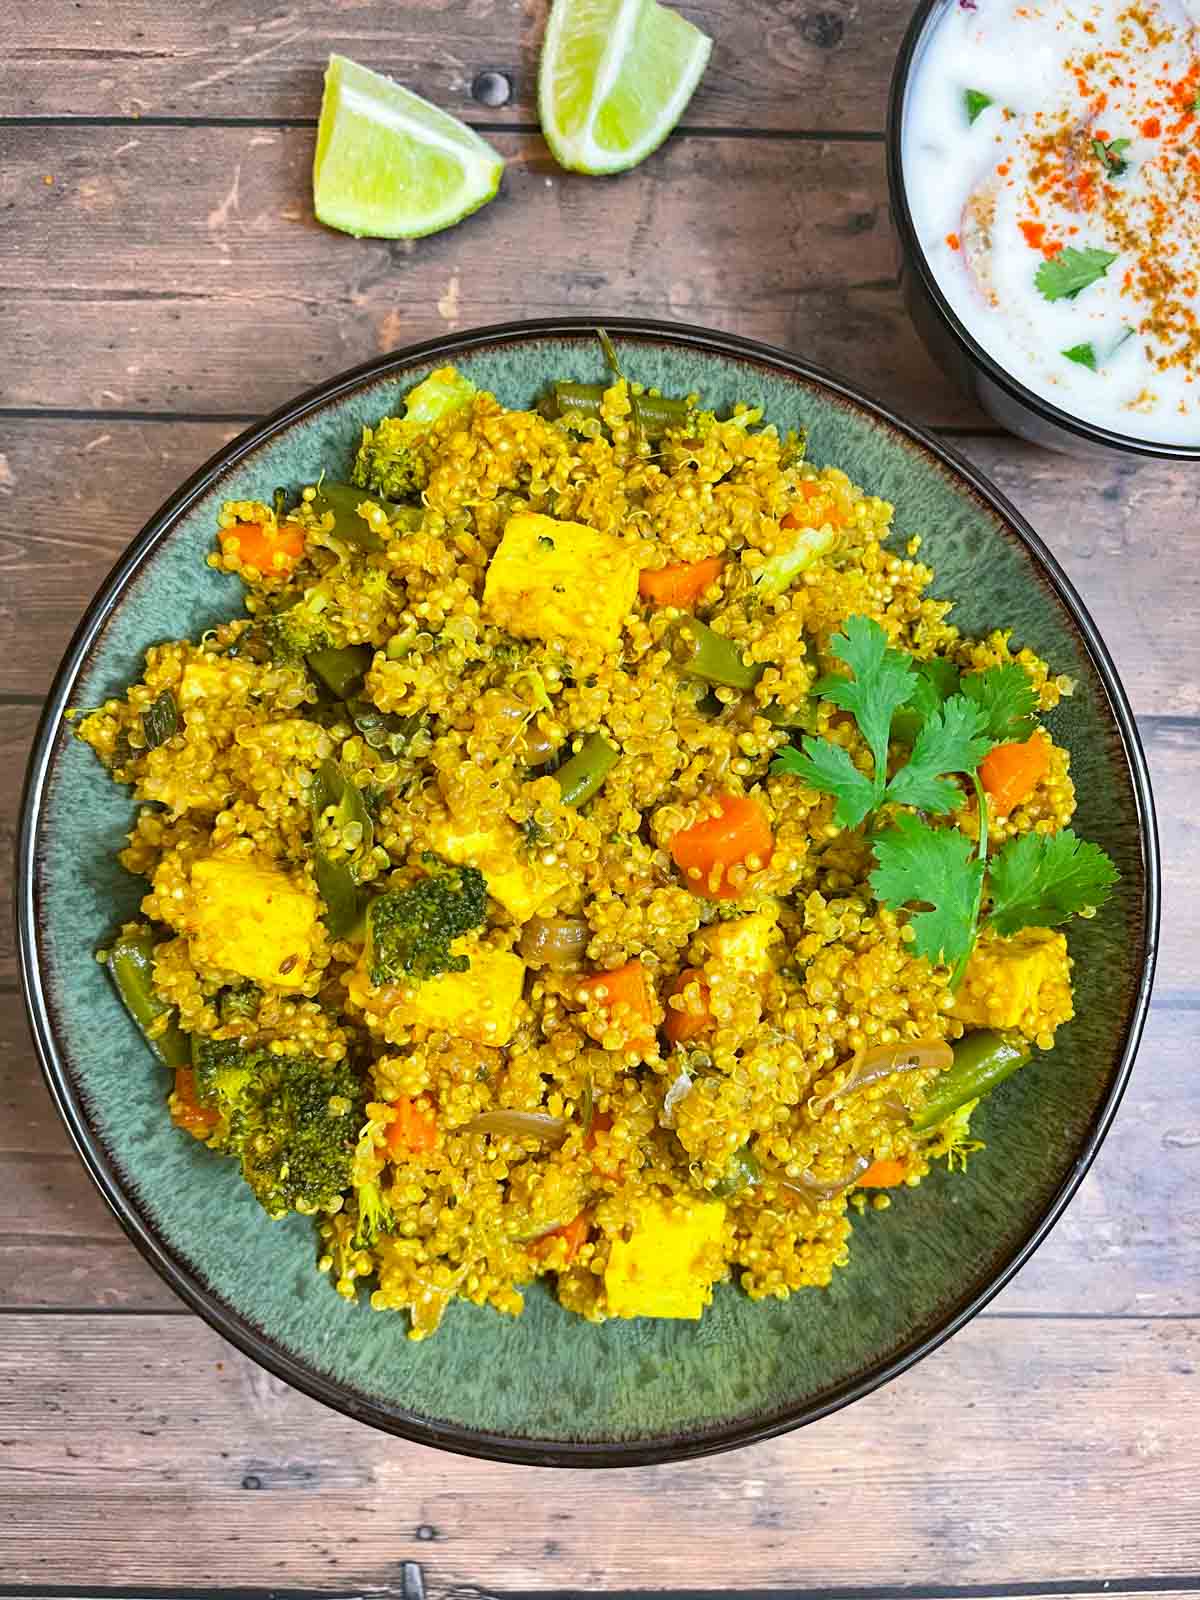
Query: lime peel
[[389, 165], [614, 80]]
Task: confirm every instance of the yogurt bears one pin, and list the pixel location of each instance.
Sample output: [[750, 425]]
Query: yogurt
[[1051, 156]]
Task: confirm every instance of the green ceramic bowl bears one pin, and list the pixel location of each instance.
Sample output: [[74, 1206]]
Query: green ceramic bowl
[[548, 1387]]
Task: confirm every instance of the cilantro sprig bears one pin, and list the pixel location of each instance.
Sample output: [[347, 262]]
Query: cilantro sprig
[[975, 102], [1042, 880], [938, 874], [1083, 355], [950, 722], [934, 867], [1071, 271]]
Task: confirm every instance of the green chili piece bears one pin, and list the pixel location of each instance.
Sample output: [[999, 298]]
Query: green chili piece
[[981, 1061], [131, 967], [160, 720], [742, 1172], [711, 657], [341, 670], [343, 501], [336, 881], [581, 776], [656, 413]]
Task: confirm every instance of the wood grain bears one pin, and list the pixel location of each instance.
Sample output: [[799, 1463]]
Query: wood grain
[[184, 1464], [814, 64], [1123, 532], [1129, 1243], [207, 285]]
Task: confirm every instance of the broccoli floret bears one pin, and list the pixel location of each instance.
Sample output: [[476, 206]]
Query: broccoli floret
[[240, 1002], [300, 630], [374, 1214], [410, 931], [389, 462], [291, 1121]]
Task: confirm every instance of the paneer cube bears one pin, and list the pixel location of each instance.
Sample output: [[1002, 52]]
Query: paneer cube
[[667, 1268], [560, 581], [521, 886], [742, 943], [249, 917], [1023, 982], [479, 1004], [205, 678]]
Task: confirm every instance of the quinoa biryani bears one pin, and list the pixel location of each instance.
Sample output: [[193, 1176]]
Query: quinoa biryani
[[592, 856]]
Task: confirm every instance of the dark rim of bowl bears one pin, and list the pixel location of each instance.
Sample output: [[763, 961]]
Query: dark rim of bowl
[[235, 1325], [1086, 432]]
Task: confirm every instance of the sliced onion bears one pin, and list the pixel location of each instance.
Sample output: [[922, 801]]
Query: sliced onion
[[813, 1190], [555, 942], [678, 1091], [869, 1066], [520, 1125]]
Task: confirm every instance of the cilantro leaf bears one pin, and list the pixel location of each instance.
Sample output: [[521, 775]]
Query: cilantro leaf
[[1109, 155], [1083, 355], [883, 681], [828, 767], [936, 680], [1195, 105], [1007, 698], [1039, 880], [975, 101], [1071, 271], [932, 866], [952, 740]]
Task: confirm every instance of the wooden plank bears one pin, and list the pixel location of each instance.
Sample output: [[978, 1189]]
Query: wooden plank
[[103, 480], [824, 64], [207, 285], [975, 1473], [1129, 1243], [1123, 533]]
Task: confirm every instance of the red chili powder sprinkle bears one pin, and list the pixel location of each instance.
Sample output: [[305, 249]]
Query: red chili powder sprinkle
[[954, 241], [1151, 128], [1035, 234]]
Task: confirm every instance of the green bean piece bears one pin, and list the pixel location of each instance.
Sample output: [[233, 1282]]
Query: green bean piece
[[742, 1172], [336, 880], [581, 777], [131, 967], [981, 1061], [160, 720], [344, 499], [383, 730], [711, 657], [656, 412], [341, 670]]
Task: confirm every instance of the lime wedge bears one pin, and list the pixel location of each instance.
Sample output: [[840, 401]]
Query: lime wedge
[[615, 78], [389, 164]]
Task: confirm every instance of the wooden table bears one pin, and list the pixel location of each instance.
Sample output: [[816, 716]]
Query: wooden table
[[162, 282]]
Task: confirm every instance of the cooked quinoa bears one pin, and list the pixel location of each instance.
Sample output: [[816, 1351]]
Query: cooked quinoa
[[726, 1051]]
